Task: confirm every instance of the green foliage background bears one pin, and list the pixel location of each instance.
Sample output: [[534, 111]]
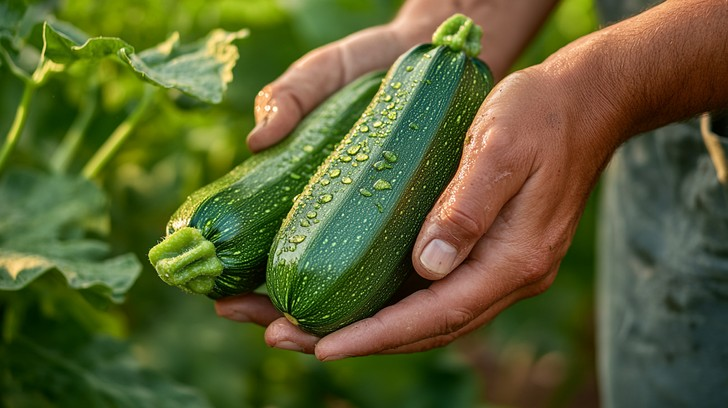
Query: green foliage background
[[538, 353]]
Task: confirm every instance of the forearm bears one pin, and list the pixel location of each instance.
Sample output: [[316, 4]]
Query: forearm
[[666, 64], [508, 25]]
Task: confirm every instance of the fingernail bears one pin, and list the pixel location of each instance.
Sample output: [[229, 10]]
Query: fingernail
[[288, 345], [438, 257]]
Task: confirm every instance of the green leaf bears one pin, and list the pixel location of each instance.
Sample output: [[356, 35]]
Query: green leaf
[[201, 69], [46, 223], [60, 48], [100, 373], [11, 13]]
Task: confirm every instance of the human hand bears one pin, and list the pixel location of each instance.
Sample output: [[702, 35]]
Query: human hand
[[533, 153], [294, 93], [280, 105], [509, 214], [283, 103]]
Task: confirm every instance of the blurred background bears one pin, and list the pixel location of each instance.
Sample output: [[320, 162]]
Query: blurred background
[[539, 353]]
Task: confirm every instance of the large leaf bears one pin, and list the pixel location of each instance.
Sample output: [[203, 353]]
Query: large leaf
[[101, 373], [46, 223], [201, 69], [11, 12]]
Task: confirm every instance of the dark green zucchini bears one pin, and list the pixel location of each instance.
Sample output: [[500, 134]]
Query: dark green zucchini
[[217, 242], [345, 247]]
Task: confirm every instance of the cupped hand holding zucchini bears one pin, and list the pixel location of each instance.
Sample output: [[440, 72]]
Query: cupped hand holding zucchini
[[344, 248]]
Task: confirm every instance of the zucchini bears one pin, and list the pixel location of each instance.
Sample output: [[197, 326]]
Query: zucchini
[[345, 247], [217, 242]]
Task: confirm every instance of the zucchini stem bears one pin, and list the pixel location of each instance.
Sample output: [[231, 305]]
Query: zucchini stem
[[459, 33], [291, 319], [186, 259], [118, 137]]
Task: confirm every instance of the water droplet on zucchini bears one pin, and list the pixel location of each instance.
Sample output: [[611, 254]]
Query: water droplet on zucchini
[[296, 239], [382, 185], [381, 165], [389, 156]]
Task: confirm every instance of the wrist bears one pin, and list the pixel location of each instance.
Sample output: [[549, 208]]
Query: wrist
[[590, 81], [586, 106], [661, 66]]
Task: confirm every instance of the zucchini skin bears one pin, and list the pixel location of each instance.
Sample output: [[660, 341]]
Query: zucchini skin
[[239, 214], [345, 247]]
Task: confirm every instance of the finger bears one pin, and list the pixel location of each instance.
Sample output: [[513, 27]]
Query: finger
[[518, 257], [251, 307], [538, 235], [284, 335], [283, 103], [445, 339], [491, 171], [447, 308]]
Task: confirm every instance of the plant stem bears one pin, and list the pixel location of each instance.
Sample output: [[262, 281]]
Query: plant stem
[[63, 155], [14, 68], [117, 138], [21, 115]]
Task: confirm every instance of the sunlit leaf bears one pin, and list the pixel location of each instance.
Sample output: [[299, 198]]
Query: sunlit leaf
[[201, 69], [62, 49], [45, 225]]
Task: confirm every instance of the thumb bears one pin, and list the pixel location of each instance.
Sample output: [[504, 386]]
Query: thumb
[[280, 105], [489, 175]]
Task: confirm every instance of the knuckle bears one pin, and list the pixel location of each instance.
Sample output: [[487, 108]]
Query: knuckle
[[455, 319], [537, 266], [443, 340], [542, 285], [451, 319], [463, 223]]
